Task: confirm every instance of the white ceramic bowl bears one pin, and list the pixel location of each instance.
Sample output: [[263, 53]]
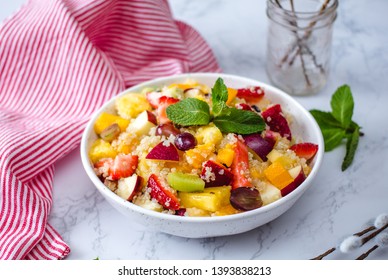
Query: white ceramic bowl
[[303, 125]]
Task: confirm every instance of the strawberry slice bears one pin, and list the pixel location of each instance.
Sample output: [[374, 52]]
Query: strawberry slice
[[243, 106], [164, 102], [153, 98], [275, 119], [251, 94], [162, 194], [240, 166], [103, 166], [123, 166], [305, 150]]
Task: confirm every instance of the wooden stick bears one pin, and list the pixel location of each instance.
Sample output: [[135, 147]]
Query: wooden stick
[[366, 254]]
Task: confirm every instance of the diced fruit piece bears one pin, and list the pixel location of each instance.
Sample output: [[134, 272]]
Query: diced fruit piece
[[185, 182], [153, 98], [111, 132], [185, 141], [181, 86], [244, 106], [294, 172], [162, 193], [275, 119], [104, 120], [305, 150], [269, 193], [101, 149], [215, 174], [147, 203], [195, 157], [123, 166], [167, 129], [274, 155], [180, 212], [293, 185], [205, 201], [261, 146], [278, 175], [223, 194], [240, 166], [143, 123], [131, 105], [225, 156], [251, 94], [194, 93], [231, 95], [164, 102], [196, 212], [245, 199], [164, 151], [128, 187], [209, 134], [226, 210]]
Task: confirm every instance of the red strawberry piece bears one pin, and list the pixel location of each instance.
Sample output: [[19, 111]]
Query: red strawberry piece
[[240, 166], [103, 166], [251, 94], [215, 174], [305, 150], [164, 102], [275, 119], [160, 191], [243, 106], [294, 184], [153, 98], [123, 166]]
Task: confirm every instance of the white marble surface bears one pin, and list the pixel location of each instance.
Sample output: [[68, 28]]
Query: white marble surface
[[339, 204]]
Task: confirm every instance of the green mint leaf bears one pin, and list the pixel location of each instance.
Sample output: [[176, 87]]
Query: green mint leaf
[[325, 120], [237, 121], [333, 137], [351, 147], [342, 105], [190, 111], [219, 96]]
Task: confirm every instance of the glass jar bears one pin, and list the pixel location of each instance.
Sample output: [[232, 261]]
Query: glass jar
[[299, 44]]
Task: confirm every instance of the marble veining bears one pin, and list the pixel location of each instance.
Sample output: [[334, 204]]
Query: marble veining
[[339, 203]]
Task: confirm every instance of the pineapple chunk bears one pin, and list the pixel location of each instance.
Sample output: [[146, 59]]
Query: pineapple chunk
[[195, 212], [269, 193], [101, 149], [226, 210], [195, 157], [278, 175], [205, 201], [131, 105], [274, 155], [222, 193], [225, 156], [209, 134], [104, 120], [232, 93]]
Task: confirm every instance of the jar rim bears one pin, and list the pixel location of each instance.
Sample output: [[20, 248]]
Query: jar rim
[[332, 5]]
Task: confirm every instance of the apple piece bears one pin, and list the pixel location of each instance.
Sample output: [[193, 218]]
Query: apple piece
[[294, 172], [164, 151], [274, 155], [261, 146], [153, 98], [293, 185], [215, 174], [128, 187], [269, 193], [143, 123]]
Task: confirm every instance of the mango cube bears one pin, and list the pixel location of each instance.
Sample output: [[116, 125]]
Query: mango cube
[[101, 149], [226, 210], [131, 105], [232, 93], [209, 134], [104, 120], [225, 156], [278, 175]]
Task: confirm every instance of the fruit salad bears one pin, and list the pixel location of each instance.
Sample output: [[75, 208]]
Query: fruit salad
[[188, 149]]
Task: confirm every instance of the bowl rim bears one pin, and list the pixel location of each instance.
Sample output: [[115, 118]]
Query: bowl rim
[[295, 194]]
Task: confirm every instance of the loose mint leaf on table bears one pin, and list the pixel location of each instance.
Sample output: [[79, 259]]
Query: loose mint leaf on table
[[219, 96], [190, 111], [342, 105], [338, 124], [351, 147], [238, 121]]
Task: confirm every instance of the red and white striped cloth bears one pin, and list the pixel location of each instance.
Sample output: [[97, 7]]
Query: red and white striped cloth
[[59, 61]]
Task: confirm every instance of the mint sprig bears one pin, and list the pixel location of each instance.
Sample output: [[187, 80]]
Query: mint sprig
[[337, 125], [192, 111]]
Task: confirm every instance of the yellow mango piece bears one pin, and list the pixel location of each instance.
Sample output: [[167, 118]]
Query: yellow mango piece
[[101, 149], [232, 93], [131, 105], [124, 149], [225, 156], [209, 134], [104, 120], [195, 157], [222, 193], [205, 201], [278, 175], [226, 210]]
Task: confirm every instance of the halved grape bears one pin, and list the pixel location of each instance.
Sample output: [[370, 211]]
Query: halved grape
[[111, 132], [245, 199], [185, 141]]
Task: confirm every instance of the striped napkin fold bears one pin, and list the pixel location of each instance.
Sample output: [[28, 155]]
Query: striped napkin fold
[[60, 60]]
